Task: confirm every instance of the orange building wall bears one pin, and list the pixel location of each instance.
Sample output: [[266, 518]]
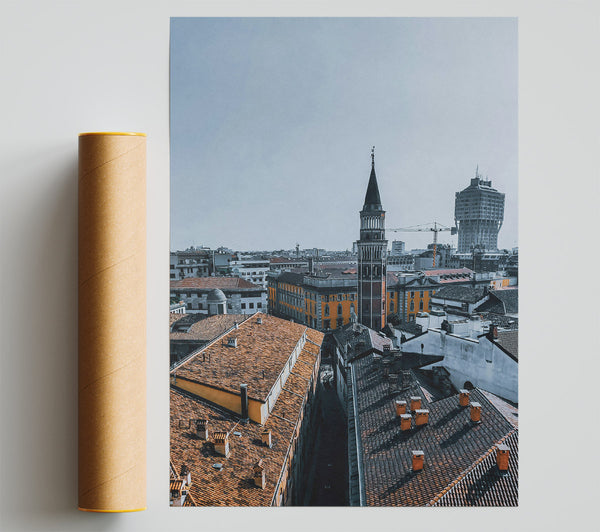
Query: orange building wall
[[227, 400]]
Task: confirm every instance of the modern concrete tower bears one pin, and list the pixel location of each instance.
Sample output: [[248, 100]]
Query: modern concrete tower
[[478, 213], [372, 257]]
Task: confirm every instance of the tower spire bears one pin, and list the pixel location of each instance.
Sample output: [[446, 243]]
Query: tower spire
[[372, 198]]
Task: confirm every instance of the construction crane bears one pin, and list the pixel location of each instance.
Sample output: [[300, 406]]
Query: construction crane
[[435, 227]]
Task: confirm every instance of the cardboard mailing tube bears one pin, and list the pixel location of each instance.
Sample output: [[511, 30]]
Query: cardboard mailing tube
[[112, 322]]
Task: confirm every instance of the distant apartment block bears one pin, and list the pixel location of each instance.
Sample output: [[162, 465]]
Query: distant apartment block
[[478, 213], [251, 269], [398, 247]]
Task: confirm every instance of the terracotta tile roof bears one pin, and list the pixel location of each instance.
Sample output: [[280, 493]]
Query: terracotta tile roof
[[450, 441], [483, 484], [210, 327], [262, 350], [174, 317], [233, 485], [316, 337], [208, 283]]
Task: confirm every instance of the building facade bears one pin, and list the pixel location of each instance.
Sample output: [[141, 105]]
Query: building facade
[[251, 269], [242, 297], [398, 247], [372, 255], [324, 299], [478, 213], [327, 298]]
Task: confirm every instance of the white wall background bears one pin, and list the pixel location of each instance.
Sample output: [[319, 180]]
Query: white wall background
[[68, 67]]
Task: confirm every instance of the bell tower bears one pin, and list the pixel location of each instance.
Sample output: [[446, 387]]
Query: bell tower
[[372, 257]]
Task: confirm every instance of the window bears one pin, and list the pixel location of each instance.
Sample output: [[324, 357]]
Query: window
[[420, 305], [326, 324], [243, 305], [259, 305], [326, 310], [251, 305], [412, 305], [339, 309], [340, 322], [392, 306], [412, 295], [421, 293]]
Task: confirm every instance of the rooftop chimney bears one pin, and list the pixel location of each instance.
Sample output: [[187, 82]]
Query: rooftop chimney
[[475, 412], [186, 475], [232, 341], [202, 429], [415, 402], [463, 397], [405, 422], [221, 443], [386, 367], [502, 455], [259, 320], [400, 407], [418, 460], [259, 475], [421, 417], [244, 399], [266, 438]]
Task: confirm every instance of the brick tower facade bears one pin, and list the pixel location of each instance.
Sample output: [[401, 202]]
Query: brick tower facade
[[372, 257]]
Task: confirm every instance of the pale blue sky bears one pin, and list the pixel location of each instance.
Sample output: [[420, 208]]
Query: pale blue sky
[[272, 123]]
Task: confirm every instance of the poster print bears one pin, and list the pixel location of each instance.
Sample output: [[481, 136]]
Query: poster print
[[343, 262]]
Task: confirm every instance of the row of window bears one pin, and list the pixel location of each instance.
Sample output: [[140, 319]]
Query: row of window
[[422, 293], [251, 305], [339, 309], [412, 305], [340, 297]]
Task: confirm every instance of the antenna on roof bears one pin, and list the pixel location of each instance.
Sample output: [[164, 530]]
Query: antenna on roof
[[373, 157], [477, 171]]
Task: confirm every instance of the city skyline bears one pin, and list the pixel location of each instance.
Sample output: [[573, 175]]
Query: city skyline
[[272, 123]]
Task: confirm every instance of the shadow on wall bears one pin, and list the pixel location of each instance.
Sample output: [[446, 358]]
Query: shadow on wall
[[38, 379]]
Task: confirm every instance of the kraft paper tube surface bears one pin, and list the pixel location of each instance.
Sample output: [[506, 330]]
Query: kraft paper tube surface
[[112, 322]]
